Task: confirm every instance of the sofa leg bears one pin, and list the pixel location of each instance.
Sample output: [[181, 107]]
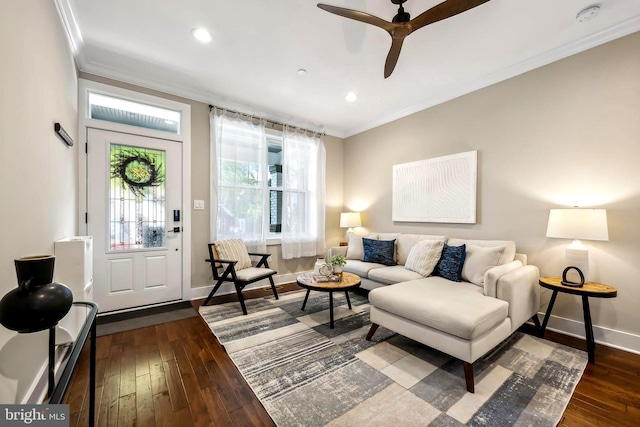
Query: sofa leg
[[372, 331], [468, 376]]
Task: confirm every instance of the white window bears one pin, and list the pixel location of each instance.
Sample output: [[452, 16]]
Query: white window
[[266, 184], [117, 110]]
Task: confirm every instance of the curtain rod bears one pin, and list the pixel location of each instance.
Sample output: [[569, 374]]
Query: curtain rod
[[271, 122]]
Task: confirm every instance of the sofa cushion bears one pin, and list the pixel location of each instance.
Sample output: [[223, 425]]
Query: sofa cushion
[[361, 268], [405, 242], [424, 256], [393, 274], [478, 261], [379, 251], [451, 261], [459, 309], [354, 242], [507, 256]]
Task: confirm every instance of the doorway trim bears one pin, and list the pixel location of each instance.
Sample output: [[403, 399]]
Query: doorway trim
[[85, 122]]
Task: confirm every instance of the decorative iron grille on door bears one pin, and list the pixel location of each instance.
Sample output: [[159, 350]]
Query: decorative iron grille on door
[[137, 198]]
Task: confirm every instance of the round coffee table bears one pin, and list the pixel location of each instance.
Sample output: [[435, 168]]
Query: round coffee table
[[308, 281]]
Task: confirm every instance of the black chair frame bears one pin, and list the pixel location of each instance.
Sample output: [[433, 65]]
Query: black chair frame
[[229, 275]]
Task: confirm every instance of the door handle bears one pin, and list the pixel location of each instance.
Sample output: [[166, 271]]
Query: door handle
[[174, 230]]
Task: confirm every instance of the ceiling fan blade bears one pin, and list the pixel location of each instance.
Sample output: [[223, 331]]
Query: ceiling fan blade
[[392, 56], [358, 16], [442, 11]]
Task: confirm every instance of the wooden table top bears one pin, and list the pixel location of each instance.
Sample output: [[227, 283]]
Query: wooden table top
[[349, 280], [591, 289]]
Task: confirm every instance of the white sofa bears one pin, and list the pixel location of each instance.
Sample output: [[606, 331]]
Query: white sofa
[[498, 292]]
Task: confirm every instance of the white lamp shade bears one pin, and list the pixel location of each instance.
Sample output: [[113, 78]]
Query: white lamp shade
[[579, 224], [350, 219]]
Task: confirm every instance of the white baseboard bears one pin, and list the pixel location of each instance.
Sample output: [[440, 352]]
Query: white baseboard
[[228, 288], [605, 336]]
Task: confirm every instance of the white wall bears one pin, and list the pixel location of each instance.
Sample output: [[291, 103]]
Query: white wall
[[38, 172], [562, 135]]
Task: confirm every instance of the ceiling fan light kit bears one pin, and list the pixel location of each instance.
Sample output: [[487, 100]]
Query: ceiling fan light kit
[[402, 25]]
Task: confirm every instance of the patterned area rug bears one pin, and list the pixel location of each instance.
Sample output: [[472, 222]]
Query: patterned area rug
[[306, 374]]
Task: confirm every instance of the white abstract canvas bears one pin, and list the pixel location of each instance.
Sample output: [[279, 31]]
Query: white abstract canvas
[[442, 189]]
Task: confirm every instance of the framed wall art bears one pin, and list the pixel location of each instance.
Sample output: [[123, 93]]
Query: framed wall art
[[442, 189]]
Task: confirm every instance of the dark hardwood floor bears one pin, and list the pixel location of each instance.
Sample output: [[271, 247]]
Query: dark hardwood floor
[[177, 374]]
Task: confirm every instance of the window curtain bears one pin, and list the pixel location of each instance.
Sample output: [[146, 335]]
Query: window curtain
[[238, 200], [304, 181]]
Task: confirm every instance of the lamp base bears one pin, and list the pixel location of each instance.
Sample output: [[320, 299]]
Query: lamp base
[[577, 255]]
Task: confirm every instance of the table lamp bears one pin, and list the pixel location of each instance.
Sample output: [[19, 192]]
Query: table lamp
[[350, 220], [578, 224]]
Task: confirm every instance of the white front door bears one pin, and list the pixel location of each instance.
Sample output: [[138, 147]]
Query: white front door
[[134, 213]]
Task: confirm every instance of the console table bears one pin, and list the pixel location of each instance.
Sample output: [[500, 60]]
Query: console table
[[589, 289], [88, 330]]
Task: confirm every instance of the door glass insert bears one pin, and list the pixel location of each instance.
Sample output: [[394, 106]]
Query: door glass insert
[[137, 197]]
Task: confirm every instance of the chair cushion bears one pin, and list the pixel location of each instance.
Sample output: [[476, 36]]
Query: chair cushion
[[379, 251], [459, 309], [251, 273], [424, 256], [451, 263], [234, 250]]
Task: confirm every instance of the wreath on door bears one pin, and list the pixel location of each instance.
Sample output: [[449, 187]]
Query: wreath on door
[[137, 169]]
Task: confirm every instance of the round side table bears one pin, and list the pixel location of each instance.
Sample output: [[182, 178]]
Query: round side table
[[589, 289]]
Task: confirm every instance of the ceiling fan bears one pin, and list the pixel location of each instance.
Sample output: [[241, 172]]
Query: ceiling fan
[[402, 25]]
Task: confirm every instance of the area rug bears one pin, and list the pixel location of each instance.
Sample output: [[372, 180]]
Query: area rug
[[306, 374]]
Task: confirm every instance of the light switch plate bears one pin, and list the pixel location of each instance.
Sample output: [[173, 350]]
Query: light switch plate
[[198, 205]]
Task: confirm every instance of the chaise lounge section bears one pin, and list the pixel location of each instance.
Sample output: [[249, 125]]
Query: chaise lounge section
[[464, 314]]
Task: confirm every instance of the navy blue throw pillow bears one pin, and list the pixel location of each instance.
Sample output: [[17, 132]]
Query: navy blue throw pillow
[[379, 251], [451, 261]]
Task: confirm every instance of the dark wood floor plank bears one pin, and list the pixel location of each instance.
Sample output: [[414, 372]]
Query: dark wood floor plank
[[215, 406], [174, 385], [127, 410], [183, 418], [128, 371], [111, 397], [162, 410], [163, 342], [142, 359], [156, 373], [195, 348], [114, 361], [197, 405], [145, 416]]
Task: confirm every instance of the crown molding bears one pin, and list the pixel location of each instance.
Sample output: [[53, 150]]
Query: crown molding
[[446, 94], [443, 95]]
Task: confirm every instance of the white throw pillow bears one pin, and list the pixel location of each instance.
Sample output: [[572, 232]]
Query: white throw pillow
[[478, 260], [355, 250], [424, 256], [234, 250]]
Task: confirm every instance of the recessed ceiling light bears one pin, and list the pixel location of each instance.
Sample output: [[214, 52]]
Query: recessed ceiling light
[[588, 13], [302, 71], [201, 35], [351, 97]]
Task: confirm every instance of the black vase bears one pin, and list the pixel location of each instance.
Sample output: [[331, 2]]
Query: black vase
[[37, 303]]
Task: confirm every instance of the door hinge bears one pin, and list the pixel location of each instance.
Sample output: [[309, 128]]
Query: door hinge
[[86, 218], [86, 147]]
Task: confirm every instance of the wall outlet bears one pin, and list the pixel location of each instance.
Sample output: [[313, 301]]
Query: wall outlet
[[198, 205]]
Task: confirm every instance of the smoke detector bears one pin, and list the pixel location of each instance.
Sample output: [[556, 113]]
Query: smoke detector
[[588, 13]]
